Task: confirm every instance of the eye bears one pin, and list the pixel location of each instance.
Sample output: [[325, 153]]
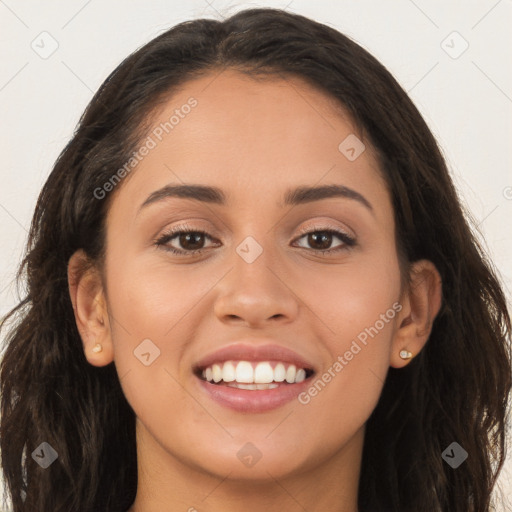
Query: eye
[[190, 240], [321, 240]]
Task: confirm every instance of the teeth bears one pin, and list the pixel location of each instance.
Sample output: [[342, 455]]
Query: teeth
[[252, 386], [301, 375], [244, 372], [244, 376], [290, 374], [217, 373], [263, 374], [228, 372], [279, 372]]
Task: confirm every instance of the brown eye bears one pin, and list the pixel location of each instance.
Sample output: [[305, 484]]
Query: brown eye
[[322, 240], [186, 241], [191, 241]]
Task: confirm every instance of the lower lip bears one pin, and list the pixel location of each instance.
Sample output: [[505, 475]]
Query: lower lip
[[253, 401]]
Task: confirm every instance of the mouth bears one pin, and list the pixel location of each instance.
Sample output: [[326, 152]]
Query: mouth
[[250, 378], [253, 375], [253, 378]]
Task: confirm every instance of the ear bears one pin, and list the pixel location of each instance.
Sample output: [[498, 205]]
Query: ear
[[89, 306], [420, 305]]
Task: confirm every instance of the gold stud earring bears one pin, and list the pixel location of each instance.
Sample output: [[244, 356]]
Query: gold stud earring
[[97, 348], [405, 354]]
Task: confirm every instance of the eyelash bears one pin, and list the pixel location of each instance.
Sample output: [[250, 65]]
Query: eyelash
[[348, 241]]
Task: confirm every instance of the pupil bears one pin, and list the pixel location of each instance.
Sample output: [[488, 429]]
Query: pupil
[[326, 239], [187, 237]]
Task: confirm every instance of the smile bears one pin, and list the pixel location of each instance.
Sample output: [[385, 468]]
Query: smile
[[254, 375], [251, 379]]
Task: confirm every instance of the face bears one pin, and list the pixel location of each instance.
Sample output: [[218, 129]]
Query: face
[[265, 273]]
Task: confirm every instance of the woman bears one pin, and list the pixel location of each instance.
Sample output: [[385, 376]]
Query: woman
[[251, 285]]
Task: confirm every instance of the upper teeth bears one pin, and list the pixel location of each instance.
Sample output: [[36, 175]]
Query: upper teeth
[[260, 373]]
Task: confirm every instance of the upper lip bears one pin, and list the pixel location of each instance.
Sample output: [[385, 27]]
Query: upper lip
[[244, 351]]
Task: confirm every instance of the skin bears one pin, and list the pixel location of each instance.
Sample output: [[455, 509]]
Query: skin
[[254, 140]]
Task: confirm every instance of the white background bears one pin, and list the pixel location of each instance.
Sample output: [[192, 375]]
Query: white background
[[467, 101]]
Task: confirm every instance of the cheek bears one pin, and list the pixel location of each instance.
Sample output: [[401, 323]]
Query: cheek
[[350, 298], [357, 309], [152, 322], [150, 296]]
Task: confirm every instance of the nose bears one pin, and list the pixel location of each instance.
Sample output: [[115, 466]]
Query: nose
[[255, 293]]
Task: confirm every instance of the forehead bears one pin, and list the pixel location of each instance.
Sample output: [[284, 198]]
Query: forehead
[[257, 111], [251, 137]]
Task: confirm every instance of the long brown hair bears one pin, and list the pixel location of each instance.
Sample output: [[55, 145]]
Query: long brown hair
[[456, 389]]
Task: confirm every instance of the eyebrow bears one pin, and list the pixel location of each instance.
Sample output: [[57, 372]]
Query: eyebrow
[[292, 197]]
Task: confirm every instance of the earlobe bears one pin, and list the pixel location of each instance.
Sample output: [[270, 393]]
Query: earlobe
[[89, 307], [421, 304]]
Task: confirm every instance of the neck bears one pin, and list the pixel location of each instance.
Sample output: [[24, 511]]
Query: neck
[[166, 485]]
